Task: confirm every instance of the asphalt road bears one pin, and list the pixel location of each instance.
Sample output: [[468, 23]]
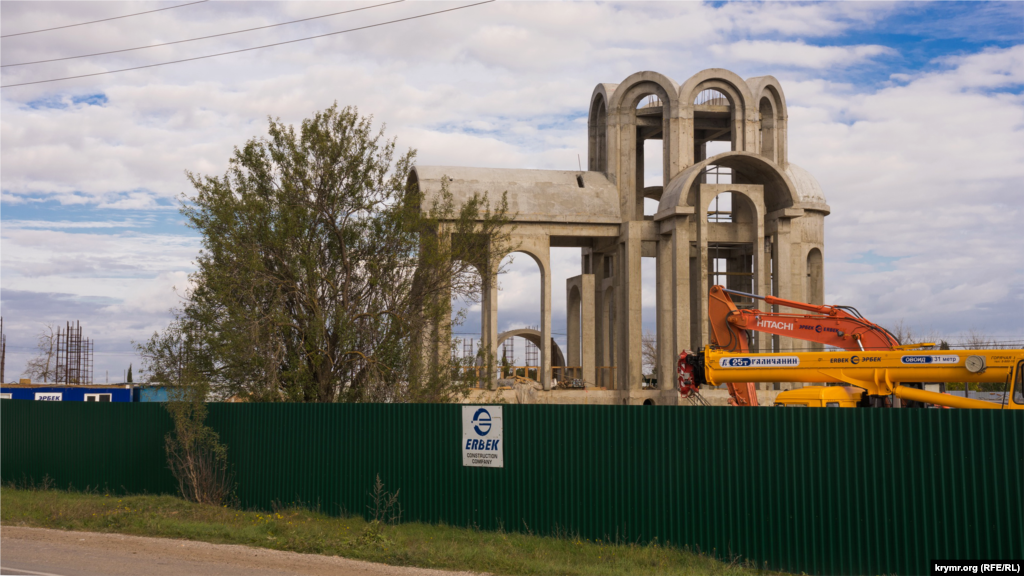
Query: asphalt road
[[43, 552]]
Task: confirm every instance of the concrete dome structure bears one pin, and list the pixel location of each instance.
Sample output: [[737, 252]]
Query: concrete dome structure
[[746, 218]]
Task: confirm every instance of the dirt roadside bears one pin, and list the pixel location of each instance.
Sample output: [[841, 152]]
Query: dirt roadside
[[65, 553]]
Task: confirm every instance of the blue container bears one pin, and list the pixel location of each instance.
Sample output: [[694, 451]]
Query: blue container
[[146, 393], [51, 392]]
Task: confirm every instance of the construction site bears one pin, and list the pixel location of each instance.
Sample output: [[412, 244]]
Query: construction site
[[738, 243]]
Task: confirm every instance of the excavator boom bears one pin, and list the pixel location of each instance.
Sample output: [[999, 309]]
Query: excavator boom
[[838, 326]]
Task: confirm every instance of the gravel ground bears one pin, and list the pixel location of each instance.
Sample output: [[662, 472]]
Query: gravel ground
[[66, 553]]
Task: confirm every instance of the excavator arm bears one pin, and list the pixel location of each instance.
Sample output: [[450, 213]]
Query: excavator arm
[[838, 326]]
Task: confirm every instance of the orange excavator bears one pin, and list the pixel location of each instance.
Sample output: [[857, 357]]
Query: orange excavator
[[838, 326]]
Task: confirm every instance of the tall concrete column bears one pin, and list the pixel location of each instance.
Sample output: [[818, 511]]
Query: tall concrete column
[[601, 324], [679, 228], [667, 353], [489, 326], [545, 315], [606, 343], [628, 330], [782, 280], [700, 282]]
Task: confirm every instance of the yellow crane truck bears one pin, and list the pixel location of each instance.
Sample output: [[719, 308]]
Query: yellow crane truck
[[865, 379]]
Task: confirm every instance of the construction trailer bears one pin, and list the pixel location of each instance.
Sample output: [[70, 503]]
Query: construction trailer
[[73, 393]]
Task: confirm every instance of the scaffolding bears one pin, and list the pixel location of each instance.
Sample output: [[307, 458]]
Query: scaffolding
[[508, 350], [532, 354], [74, 356]]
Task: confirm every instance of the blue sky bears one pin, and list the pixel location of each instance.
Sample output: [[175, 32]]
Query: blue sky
[[910, 115]]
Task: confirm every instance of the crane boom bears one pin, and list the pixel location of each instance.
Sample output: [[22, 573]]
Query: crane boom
[[878, 373]]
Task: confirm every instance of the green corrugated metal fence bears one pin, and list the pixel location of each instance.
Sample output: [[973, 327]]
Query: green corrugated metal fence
[[817, 491]]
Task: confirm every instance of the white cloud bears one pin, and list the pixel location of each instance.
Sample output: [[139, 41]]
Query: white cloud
[[928, 172], [923, 172], [799, 54]]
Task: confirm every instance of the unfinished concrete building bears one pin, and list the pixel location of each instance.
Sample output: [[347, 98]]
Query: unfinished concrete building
[[746, 218]]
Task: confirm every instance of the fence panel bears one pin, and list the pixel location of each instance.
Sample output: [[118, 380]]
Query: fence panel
[[816, 491]]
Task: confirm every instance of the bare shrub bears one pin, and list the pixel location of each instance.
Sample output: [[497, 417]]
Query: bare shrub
[[195, 454]]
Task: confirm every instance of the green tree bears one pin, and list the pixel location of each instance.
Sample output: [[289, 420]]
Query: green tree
[[129, 378], [323, 274]]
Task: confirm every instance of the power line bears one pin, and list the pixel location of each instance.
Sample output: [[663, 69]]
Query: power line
[[104, 19], [200, 38], [249, 49]]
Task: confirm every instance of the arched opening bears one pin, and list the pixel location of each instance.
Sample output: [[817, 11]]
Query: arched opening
[[715, 174], [713, 123], [467, 337], [814, 291], [650, 151], [519, 307], [649, 402], [711, 97], [766, 111], [597, 151], [574, 326], [648, 316], [732, 236]]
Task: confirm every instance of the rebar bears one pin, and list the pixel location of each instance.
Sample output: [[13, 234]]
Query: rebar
[[74, 356]]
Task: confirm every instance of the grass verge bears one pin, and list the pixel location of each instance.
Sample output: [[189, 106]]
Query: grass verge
[[306, 531]]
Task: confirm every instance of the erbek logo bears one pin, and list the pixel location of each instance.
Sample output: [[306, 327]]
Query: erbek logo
[[855, 360], [482, 422]]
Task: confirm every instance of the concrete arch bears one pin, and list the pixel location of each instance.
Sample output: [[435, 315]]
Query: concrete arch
[[540, 260], [767, 90], [629, 92], [744, 208], [769, 86], [557, 358], [748, 168], [767, 145], [604, 91], [715, 78], [735, 90], [597, 132]]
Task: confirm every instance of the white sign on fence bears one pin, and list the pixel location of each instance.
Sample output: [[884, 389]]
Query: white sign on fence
[[482, 440], [52, 396]]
